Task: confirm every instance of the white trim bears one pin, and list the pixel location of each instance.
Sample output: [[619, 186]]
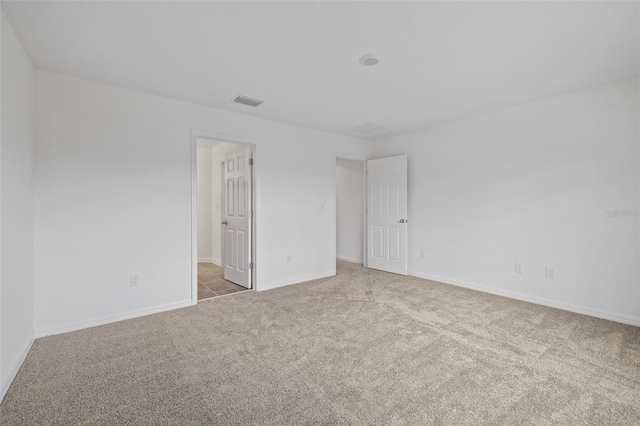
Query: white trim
[[346, 156], [222, 210], [242, 140], [194, 218], [13, 372], [210, 260], [625, 319], [298, 280], [235, 293], [115, 318], [349, 259]]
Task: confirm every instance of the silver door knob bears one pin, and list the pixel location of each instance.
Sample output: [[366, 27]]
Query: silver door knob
[[224, 222], [402, 221]]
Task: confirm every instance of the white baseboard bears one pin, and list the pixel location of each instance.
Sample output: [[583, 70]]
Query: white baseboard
[[115, 318], [625, 319], [298, 280], [349, 259], [210, 260], [13, 372]]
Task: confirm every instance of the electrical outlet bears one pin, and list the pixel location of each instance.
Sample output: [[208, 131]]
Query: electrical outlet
[[288, 258], [551, 273], [519, 267], [134, 280], [423, 254]]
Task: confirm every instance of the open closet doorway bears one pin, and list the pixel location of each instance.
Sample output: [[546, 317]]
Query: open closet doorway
[[224, 217], [350, 199], [371, 212]]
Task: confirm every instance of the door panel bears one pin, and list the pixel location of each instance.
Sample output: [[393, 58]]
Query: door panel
[[394, 243], [238, 218], [242, 265], [230, 255], [377, 195], [377, 241], [241, 196], [230, 197], [394, 198], [387, 214]]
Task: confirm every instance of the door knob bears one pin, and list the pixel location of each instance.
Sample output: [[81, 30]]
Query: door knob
[[224, 222], [402, 221]]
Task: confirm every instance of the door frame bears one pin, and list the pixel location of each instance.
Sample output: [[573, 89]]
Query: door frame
[[240, 140], [223, 257], [345, 156]]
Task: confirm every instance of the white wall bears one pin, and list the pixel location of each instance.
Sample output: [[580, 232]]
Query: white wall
[[205, 203], [349, 209], [16, 211], [113, 197], [531, 184]]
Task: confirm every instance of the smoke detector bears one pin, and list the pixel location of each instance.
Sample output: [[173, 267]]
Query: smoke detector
[[245, 100], [369, 60], [369, 128]]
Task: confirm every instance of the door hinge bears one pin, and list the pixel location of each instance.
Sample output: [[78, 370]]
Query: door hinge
[[250, 213], [251, 161], [250, 265]]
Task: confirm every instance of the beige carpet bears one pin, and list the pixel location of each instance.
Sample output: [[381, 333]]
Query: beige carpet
[[363, 348]]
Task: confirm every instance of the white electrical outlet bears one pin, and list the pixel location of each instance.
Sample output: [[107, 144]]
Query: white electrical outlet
[[423, 254], [134, 280], [288, 258], [551, 272], [519, 267]]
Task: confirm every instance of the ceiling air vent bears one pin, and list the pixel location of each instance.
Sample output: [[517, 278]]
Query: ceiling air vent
[[369, 128], [245, 100]]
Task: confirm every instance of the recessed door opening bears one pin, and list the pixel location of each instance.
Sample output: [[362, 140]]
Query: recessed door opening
[[350, 210], [224, 217], [371, 212]]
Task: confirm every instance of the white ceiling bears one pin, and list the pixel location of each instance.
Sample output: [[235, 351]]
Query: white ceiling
[[438, 61]]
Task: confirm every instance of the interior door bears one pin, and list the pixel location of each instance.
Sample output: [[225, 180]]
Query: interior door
[[237, 217], [387, 214]]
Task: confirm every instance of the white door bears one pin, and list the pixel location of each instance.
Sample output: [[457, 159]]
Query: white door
[[387, 214], [236, 236]]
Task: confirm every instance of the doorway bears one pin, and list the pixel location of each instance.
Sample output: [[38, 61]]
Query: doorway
[[350, 199], [223, 234], [371, 224]]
